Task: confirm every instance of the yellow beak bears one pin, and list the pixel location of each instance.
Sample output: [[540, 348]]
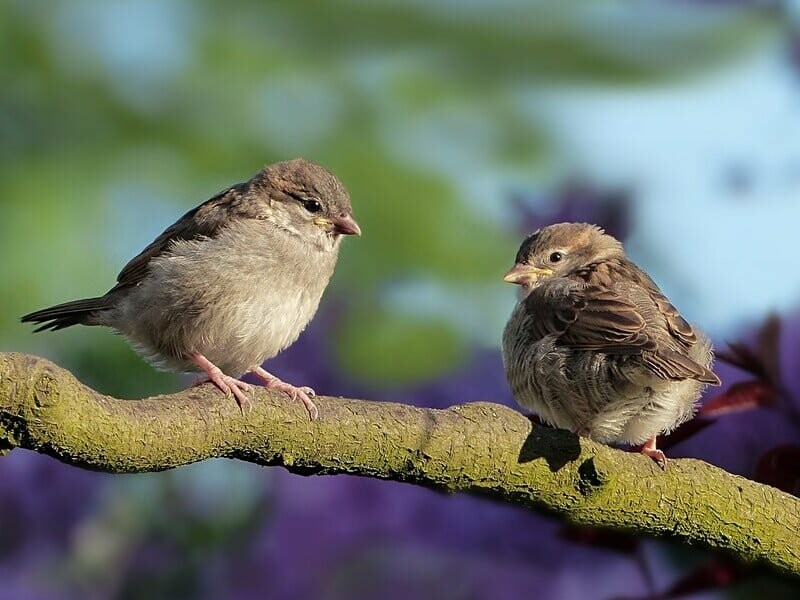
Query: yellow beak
[[525, 274], [344, 225]]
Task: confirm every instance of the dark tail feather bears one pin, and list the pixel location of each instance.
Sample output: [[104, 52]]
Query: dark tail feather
[[68, 314], [669, 364]]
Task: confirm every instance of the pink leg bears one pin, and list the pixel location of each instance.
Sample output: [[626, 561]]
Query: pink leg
[[583, 431], [229, 385], [303, 393], [649, 449]]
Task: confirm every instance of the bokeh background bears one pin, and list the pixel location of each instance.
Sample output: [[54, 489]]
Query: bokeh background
[[458, 127]]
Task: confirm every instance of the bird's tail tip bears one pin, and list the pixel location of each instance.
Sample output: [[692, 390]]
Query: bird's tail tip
[[65, 315]]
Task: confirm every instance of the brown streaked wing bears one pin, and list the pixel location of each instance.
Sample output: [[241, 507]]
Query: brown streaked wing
[[669, 364], [587, 318], [595, 318], [679, 327], [203, 221]]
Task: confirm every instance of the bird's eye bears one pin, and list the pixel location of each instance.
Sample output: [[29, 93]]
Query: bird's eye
[[555, 257], [312, 206]]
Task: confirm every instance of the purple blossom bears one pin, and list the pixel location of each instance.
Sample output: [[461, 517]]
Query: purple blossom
[[577, 201], [350, 537]]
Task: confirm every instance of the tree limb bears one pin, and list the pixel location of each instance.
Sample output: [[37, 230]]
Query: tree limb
[[478, 448]]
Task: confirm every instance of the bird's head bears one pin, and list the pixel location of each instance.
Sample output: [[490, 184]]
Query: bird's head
[[307, 200], [561, 250]]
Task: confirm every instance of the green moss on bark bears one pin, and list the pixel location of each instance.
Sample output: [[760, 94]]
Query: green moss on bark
[[478, 448]]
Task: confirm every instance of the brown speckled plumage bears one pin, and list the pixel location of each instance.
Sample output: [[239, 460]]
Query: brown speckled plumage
[[593, 345], [232, 282]]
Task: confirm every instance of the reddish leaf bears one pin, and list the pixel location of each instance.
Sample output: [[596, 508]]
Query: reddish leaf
[[715, 574], [600, 538], [769, 349], [780, 468], [743, 357], [744, 395], [763, 362], [684, 432]]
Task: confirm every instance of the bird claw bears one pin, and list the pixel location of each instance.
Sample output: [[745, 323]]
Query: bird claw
[[302, 393], [230, 386], [585, 432], [649, 449], [658, 456]]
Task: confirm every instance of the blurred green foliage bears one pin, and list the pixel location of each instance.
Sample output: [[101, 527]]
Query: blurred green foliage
[[116, 117]]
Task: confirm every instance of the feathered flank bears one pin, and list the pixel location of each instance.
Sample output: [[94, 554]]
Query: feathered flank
[[594, 346], [230, 284]]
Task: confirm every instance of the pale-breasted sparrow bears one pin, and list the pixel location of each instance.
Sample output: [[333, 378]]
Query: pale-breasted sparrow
[[231, 283]]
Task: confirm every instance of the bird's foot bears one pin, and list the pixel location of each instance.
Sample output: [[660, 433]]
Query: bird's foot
[[649, 449], [585, 432], [230, 386], [302, 393]]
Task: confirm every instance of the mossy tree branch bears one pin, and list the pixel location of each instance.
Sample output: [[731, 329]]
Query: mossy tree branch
[[477, 448]]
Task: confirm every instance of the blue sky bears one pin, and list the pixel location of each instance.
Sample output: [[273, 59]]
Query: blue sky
[[715, 166]]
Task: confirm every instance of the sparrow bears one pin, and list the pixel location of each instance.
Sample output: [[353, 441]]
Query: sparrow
[[593, 345], [230, 284]]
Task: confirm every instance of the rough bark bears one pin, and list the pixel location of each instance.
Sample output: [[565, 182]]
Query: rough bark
[[478, 448]]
